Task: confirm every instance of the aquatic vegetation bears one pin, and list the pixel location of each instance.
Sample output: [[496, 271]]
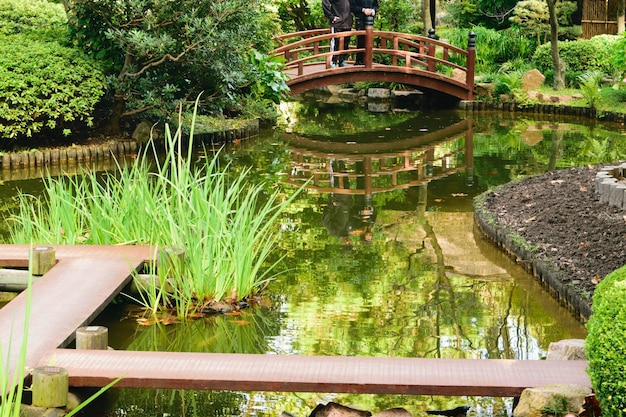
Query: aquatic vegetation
[[224, 224]]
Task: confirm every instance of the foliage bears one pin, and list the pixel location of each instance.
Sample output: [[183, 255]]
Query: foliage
[[400, 16], [225, 224], [269, 82], [619, 54], [39, 75], [606, 343], [493, 48], [45, 86], [531, 16], [300, 15], [161, 53], [38, 19], [510, 83], [491, 14], [589, 84], [579, 56]]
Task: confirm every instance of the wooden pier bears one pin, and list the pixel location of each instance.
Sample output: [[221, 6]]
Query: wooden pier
[[86, 278]]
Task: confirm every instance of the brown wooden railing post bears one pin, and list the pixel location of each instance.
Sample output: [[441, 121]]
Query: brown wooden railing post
[[471, 62], [369, 40], [431, 50]]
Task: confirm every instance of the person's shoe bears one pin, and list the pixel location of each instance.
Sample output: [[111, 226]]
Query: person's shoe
[[358, 63], [333, 65], [343, 64]]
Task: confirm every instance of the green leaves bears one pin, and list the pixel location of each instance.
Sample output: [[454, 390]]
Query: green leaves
[[44, 85], [192, 46]]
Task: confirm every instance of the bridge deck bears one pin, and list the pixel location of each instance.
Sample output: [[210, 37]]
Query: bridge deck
[[86, 278], [371, 375], [81, 284]]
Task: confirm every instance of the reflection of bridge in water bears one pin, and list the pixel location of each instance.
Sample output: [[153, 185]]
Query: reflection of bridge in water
[[369, 168]]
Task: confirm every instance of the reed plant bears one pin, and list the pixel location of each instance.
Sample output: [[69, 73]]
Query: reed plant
[[225, 224]]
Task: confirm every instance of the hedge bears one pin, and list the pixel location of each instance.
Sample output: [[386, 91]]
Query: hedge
[[579, 56], [606, 344], [45, 86]]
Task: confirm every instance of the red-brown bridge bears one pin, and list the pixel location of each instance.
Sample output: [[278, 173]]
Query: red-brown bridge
[[419, 61]]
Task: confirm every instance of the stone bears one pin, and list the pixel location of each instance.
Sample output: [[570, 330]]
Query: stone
[[532, 80], [337, 410], [142, 131], [393, 412], [560, 399], [378, 107], [568, 349], [458, 75], [486, 90], [406, 95], [379, 93]]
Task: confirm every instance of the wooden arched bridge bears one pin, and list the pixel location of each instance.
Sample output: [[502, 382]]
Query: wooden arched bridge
[[419, 61]]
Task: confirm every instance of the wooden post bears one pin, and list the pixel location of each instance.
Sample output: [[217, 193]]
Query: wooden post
[[42, 259], [431, 65], [471, 63], [50, 387], [92, 338], [369, 41], [171, 259]]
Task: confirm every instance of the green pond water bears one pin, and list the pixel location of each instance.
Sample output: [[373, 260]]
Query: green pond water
[[382, 257]]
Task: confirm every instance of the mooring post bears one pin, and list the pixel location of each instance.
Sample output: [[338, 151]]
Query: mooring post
[[171, 260], [471, 62], [50, 387], [369, 40], [92, 338], [42, 259]]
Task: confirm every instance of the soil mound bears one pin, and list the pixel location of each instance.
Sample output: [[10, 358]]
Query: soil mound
[[557, 221]]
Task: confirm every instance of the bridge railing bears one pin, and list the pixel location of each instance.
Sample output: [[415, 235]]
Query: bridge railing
[[308, 48]]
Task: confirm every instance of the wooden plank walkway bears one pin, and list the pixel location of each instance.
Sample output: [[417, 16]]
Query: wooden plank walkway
[[86, 278], [81, 284], [290, 373]]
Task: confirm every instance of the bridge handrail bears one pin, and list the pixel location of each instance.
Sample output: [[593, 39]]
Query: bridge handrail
[[316, 35], [424, 59], [280, 39], [407, 52]]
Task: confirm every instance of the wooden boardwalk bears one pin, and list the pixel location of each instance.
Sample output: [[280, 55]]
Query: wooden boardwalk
[[86, 278]]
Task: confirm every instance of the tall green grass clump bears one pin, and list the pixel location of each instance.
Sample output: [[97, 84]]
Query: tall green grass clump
[[606, 344], [225, 224]]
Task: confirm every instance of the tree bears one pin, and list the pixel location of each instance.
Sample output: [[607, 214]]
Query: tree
[[161, 53], [557, 63]]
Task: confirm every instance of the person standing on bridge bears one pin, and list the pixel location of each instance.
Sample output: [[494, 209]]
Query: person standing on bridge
[[364, 13], [340, 19]]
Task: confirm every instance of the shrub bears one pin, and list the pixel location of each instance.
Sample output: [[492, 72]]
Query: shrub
[[579, 56], [44, 86], [493, 47], [606, 343], [36, 18]]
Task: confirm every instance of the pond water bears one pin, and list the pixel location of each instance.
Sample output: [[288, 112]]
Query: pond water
[[381, 254]]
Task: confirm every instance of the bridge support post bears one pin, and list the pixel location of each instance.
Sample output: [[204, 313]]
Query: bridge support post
[[471, 63], [369, 41], [431, 51]]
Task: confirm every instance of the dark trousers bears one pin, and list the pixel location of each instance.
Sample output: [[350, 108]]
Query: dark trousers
[[334, 46], [360, 40]]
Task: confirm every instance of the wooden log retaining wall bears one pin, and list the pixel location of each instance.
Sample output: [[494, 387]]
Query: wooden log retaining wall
[[33, 164], [99, 157], [545, 108]]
